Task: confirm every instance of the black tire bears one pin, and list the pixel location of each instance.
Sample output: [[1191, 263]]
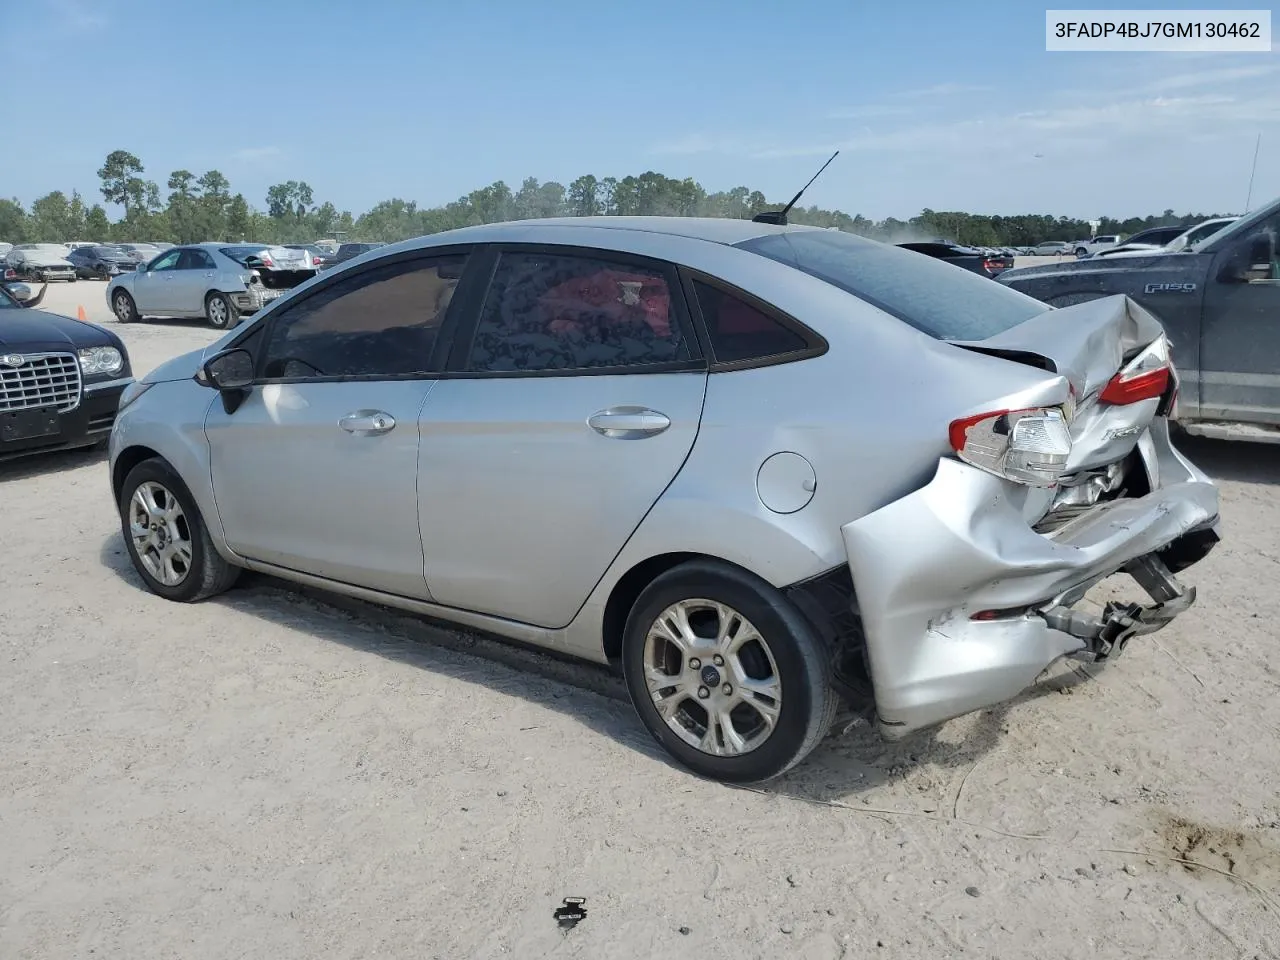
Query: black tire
[[122, 305], [208, 573], [803, 670], [220, 311]]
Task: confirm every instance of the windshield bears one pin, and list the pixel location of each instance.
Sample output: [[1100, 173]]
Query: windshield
[[7, 302], [1206, 232], [935, 297], [109, 252]]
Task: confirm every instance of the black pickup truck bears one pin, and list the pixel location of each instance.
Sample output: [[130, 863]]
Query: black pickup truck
[[1219, 302]]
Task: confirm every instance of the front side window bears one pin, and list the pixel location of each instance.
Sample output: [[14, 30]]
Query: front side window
[[931, 295], [382, 322], [569, 312]]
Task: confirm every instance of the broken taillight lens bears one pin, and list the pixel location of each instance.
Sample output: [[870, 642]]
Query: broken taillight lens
[[1027, 446], [1145, 377]]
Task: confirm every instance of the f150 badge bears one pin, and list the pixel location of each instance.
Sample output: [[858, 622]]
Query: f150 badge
[[1170, 288]]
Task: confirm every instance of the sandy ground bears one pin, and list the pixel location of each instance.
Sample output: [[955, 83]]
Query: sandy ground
[[272, 775]]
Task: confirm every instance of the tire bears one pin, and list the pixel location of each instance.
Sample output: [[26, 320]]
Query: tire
[[220, 311], [201, 572], [123, 307], [1081, 252], [784, 650]]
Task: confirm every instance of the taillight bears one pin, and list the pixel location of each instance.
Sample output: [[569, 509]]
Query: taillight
[[1028, 446], [1145, 377]]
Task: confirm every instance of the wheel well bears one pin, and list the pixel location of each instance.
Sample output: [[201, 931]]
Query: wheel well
[[129, 458], [627, 591]]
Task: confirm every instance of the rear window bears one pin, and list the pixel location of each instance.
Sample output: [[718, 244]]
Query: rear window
[[935, 297], [240, 254]]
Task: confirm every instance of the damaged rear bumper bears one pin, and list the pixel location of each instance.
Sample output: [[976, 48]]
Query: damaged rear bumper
[[926, 564]]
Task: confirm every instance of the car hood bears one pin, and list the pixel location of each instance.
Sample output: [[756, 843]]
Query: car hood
[[182, 367], [34, 331]]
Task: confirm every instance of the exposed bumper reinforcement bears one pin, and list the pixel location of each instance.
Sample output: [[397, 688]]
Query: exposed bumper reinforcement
[[929, 566]]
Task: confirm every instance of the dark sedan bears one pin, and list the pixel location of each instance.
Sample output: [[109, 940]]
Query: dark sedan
[[989, 264], [101, 262], [60, 379]]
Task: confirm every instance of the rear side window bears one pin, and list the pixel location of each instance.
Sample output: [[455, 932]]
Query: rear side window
[[935, 297], [566, 312], [739, 331]]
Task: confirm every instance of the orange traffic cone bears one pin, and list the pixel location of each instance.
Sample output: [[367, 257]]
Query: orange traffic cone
[[81, 315]]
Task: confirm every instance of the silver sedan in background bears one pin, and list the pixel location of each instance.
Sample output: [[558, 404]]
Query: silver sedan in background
[[761, 468], [220, 282]]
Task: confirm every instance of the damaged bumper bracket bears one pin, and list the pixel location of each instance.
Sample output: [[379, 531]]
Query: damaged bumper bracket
[[1106, 636]]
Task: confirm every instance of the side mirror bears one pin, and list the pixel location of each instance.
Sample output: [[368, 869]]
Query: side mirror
[[231, 374], [1255, 254], [230, 370], [19, 291]]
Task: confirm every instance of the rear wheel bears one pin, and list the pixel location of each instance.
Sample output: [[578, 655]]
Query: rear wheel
[[220, 311], [166, 536], [726, 674], [123, 307]]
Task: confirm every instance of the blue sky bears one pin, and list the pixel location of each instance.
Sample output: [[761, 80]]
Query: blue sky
[[933, 104]]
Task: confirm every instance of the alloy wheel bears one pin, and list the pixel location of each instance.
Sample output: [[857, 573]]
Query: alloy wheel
[[160, 533], [712, 677]]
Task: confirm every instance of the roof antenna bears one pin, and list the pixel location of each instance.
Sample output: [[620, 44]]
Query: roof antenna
[[779, 217]]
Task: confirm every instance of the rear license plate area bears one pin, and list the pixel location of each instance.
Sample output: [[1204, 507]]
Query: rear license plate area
[[29, 424]]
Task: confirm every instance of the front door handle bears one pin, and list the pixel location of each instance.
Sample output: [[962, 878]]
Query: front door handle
[[628, 423], [367, 423]]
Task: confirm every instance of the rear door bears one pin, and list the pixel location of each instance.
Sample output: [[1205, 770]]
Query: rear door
[[573, 400], [193, 278], [1240, 334]]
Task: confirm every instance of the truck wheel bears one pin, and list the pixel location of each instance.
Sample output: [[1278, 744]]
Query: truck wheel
[[220, 311]]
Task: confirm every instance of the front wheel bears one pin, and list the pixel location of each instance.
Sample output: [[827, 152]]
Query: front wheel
[[166, 536], [726, 674], [123, 307], [220, 311]]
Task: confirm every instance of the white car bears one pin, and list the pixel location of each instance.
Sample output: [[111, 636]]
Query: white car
[[220, 282], [1187, 240], [1087, 248]]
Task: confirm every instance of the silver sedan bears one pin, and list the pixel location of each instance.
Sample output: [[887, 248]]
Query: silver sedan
[[220, 282], [762, 469]]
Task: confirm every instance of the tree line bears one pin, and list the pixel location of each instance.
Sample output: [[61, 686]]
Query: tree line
[[202, 207]]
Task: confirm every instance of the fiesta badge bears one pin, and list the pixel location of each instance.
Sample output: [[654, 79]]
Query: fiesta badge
[[12, 359]]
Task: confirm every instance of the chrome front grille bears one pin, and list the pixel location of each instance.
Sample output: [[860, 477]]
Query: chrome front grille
[[41, 380]]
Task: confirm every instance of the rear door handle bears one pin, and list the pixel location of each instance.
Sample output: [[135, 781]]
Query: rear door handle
[[367, 423], [628, 422]]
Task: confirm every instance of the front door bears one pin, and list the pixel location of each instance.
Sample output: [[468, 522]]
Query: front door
[[571, 407], [317, 470], [1240, 338], [153, 290]]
